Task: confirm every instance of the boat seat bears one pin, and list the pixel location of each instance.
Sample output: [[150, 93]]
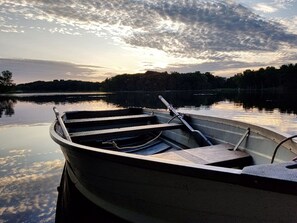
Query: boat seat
[[104, 134], [217, 155], [282, 171], [108, 119], [88, 124]]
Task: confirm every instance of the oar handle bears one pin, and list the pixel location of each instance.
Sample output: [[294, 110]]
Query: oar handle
[[169, 106], [180, 117], [64, 129], [176, 113], [164, 101]]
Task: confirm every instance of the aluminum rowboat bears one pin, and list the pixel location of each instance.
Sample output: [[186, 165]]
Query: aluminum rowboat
[[147, 165]]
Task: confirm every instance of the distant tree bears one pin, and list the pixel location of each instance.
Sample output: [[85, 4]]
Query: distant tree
[[6, 82]]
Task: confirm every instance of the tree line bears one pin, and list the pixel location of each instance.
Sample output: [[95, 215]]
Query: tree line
[[155, 81], [284, 77], [270, 77], [59, 86]]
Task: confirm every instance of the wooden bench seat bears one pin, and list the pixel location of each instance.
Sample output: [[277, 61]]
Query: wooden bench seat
[[89, 124], [106, 133], [217, 155], [107, 119]]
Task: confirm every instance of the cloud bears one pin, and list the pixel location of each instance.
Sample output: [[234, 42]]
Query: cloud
[[224, 68], [213, 31], [25, 70], [186, 28], [285, 3], [265, 8], [291, 23], [274, 7]]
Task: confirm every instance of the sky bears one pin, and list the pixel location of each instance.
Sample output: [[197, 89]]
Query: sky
[[92, 40]]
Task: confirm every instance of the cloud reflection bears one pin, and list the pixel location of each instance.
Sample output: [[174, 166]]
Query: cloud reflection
[[28, 190]]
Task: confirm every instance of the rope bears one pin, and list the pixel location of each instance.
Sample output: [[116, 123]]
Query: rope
[[137, 146], [132, 147]]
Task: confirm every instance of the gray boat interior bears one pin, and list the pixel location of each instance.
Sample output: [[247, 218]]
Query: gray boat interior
[[160, 135]]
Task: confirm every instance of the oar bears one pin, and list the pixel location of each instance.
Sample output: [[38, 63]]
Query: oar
[[196, 133], [64, 129]]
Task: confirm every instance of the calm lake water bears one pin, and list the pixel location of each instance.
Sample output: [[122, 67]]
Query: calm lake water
[[32, 164]]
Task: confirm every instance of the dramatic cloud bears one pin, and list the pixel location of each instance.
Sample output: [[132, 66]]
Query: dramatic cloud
[[211, 31], [187, 28]]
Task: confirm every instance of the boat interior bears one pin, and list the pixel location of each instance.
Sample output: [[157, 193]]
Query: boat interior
[[133, 131]]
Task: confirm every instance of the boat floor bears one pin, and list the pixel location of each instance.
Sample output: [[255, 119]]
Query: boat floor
[[217, 155], [165, 148]]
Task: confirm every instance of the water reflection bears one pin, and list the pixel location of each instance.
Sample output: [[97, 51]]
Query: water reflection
[[72, 206], [31, 166], [27, 193], [285, 102], [274, 119], [7, 106], [267, 101], [150, 100]]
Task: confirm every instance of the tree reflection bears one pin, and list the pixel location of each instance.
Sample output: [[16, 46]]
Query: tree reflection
[[177, 98], [285, 102], [7, 106]]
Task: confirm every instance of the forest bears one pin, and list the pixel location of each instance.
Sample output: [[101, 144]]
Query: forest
[[283, 78], [265, 78], [159, 81], [270, 77]]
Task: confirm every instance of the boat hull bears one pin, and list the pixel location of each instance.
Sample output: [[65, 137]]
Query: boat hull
[[156, 194]]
